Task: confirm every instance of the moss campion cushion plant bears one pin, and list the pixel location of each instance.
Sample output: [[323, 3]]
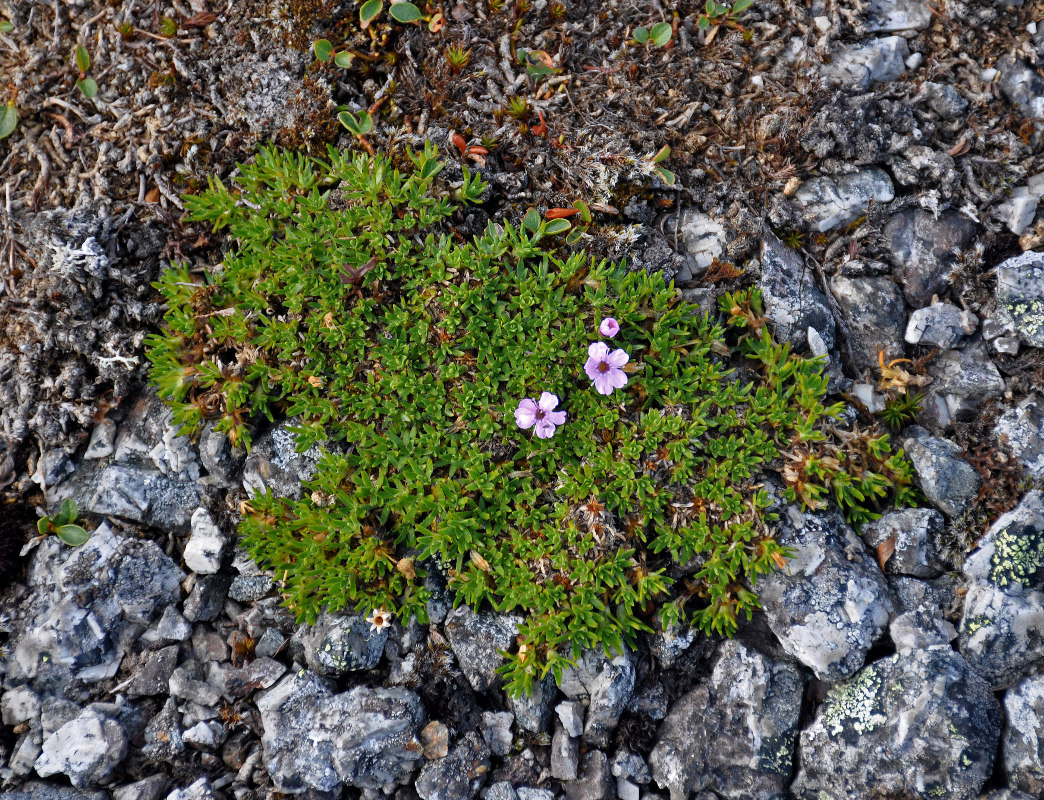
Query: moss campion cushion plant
[[407, 354]]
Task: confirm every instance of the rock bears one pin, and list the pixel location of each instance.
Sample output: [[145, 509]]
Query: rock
[[857, 66], [571, 714], [149, 436], [55, 712], [1020, 295], [734, 733], [338, 644], [24, 753], [207, 735], [184, 686], [914, 534], [892, 16], [940, 325], [476, 640], [102, 438], [163, 740], [944, 100], [496, 731], [275, 464], [533, 711], [206, 546], [88, 604], [270, 643], [38, 790], [153, 677], [222, 461], [1002, 628], [607, 684], [197, 790], [832, 202], [234, 683], [966, 379], [435, 738], [207, 598], [949, 482], [631, 766], [595, 782], [918, 724], [459, 775], [86, 749], [1022, 744], [922, 246], [1019, 210], [18, 705], [248, 588], [150, 788], [565, 755], [313, 738], [1022, 430], [171, 627], [502, 790], [1022, 86], [920, 630], [876, 315], [791, 298], [703, 237], [529, 793], [831, 602]]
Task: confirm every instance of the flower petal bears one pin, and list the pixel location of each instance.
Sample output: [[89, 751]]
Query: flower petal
[[597, 350], [618, 378], [603, 383], [557, 417], [548, 401], [609, 327], [545, 429], [525, 414], [618, 358]]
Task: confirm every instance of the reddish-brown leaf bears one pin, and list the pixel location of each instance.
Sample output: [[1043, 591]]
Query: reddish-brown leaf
[[885, 550], [200, 20]]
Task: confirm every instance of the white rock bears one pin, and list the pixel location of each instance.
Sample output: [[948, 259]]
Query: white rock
[[988, 75], [571, 713], [892, 16], [830, 203], [19, 705], [704, 238], [823, 23], [206, 546], [86, 748], [102, 437], [860, 65], [913, 62]]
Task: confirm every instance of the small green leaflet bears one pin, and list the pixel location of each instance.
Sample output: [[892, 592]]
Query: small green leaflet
[[368, 13], [343, 59], [405, 12], [83, 58], [8, 120], [73, 535], [323, 49], [661, 33], [88, 86]]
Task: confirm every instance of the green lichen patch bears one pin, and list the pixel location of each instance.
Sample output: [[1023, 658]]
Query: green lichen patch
[[1018, 556], [405, 352], [855, 707]]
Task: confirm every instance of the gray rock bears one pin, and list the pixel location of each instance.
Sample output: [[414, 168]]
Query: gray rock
[[207, 598], [859, 65], [205, 735], [476, 640], [918, 724], [207, 544], [1002, 627], [24, 753], [1020, 295], [944, 100], [171, 627], [459, 775], [235, 683], [831, 601], [19, 704], [86, 749], [496, 731], [270, 643], [876, 317], [198, 790], [222, 461], [163, 740], [626, 790], [735, 733], [892, 16], [921, 248], [315, 739], [148, 436], [55, 712], [248, 588], [38, 790], [275, 464], [533, 711], [940, 325], [703, 237], [102, 438], [1022, 86], [153, 677], [630, 766], [1006, 794], [186, 687], [914, 532], [1019, 210], [1022, 430], [502, 790], [565, 755], [571, 714], [337, 644], [529, 793], [792, 300], [966, 379], [1022, 744], [832, 202], [150, 788], [607, 684], [920, 630], [949, 482], [595, 781]]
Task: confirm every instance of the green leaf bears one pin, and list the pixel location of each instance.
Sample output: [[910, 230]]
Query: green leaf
[[83, 58], [641, 34], [359, 126], [368, 13], [703, 23], [73, 535], [88, 86], [323, 49], [557, 226], [740, 6], [405, 12], [5, 26], [531, 221], [168, 27], [709, 8], [574, 235], [43, 525], [662, 154], [8, 120], [665, 175], [344, 59], [67, 512], [585, 211], [661, 33]]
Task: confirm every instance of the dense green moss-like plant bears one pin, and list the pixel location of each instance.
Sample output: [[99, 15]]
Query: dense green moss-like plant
[[405, 352]]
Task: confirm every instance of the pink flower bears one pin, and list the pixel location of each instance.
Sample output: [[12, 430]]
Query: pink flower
[[609, 327], [605, 368], [542, 414]]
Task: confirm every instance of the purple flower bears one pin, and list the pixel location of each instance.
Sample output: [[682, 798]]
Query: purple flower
[[540, 413], [609, 327], [605, 368]]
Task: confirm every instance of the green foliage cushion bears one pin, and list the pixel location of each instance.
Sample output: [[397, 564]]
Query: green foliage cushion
[[404, 351]]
